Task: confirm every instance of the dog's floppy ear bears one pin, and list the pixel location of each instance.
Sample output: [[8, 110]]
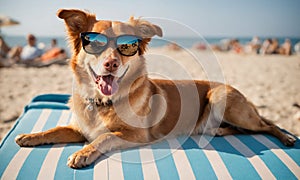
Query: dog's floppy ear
[[76, 21], [145, 29], [148, 30]]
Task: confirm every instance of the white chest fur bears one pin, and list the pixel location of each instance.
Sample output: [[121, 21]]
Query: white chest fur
[[90, 129]]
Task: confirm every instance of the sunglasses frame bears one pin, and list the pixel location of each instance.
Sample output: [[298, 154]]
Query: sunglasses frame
[[109, 39]]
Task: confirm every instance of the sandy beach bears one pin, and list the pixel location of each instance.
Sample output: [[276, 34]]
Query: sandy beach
[[271, 82]]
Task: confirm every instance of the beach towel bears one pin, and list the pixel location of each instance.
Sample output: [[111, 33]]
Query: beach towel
[[257, 156]]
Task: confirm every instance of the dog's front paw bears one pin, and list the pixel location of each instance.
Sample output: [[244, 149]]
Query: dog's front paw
[[25, 140], [84, 157]]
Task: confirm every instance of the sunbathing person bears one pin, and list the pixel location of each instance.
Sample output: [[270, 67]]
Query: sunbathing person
[[254, 45], [8, 55], [265, 46], [273, 48], [285, 48], [30, 52], [53, 54]]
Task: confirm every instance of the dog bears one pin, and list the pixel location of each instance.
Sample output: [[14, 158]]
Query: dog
[[117, 106]]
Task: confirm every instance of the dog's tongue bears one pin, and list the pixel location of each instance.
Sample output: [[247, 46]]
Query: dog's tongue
[[107, 85]]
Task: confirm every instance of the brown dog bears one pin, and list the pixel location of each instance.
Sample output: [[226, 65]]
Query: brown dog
[[117, 106]]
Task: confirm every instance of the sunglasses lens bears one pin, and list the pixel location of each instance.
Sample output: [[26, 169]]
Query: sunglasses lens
[[128, 45], [94, 43]]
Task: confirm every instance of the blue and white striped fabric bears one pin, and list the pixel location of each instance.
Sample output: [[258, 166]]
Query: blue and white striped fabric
[[229, 157]]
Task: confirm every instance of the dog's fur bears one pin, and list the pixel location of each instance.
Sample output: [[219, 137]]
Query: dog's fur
[[141, 110]]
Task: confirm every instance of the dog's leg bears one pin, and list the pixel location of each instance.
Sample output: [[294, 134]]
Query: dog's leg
[[208, 124], [63, 134], [104, 143], [230, 106], [245, 116]]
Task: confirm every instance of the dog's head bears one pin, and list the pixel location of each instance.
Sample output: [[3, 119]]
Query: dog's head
[[106, 52]]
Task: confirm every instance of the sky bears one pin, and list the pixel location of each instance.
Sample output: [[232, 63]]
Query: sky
[[226, 18]]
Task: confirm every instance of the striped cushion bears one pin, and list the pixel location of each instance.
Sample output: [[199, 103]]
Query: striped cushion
[[196, 157]]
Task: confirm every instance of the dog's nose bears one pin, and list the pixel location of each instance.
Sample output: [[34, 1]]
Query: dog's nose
[[111, 64]]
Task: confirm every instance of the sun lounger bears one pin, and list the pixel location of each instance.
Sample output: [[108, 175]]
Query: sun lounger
[[231, 157]]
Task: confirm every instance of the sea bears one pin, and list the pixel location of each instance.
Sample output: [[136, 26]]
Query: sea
[[186, 42]]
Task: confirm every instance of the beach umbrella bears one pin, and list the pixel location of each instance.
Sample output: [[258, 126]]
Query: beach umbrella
[[7, 21]]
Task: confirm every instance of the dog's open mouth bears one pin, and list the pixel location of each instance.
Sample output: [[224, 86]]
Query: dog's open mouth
[[108, 84]]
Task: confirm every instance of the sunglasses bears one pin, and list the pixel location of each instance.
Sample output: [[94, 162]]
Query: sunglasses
[[96, 43]]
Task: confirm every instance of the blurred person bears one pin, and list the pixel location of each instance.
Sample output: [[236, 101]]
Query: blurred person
[[254, 45], [30, 52], [54, 52], [273, 48], [200, 46], [297, 48], [4, 48], [235, 46], [53, 43], [265, 46], [285, 48], [8, 55], [173, 47], [223, 45]]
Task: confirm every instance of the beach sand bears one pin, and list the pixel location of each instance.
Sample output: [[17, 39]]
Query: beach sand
[[271, 82]]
